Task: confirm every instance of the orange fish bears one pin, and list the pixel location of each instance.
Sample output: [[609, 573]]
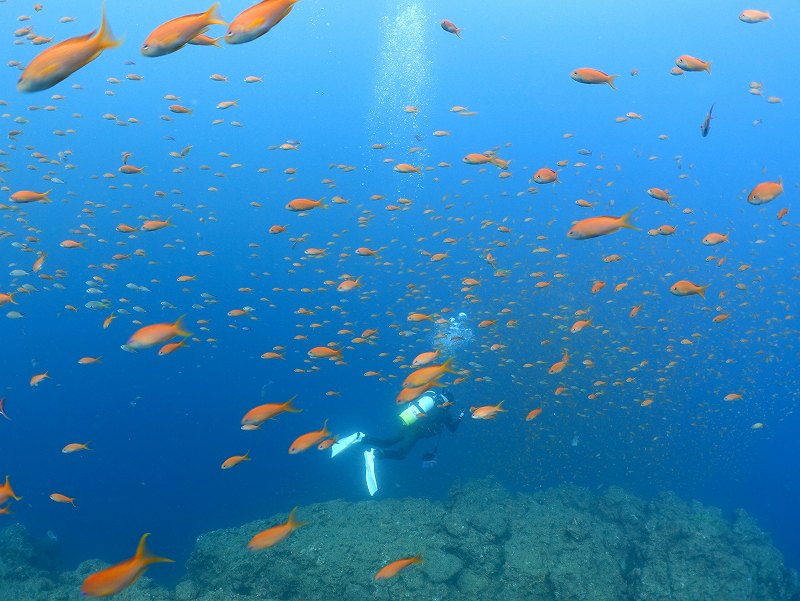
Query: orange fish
[[257, 20], [450, 27], [158, 333], [765, 192], [156, 224], [690, 63], [175, 34], [25, 196], [487, 411], [303, 204], [7, 298], [714, 239], [546, 176], [171, 347], [308, 440], [327, 443], [426, 375], [272, 536], [235, 460], [533, 414], [6, 493], [324, 352], [262, 413], [107, 321], [589, 75], [62, 60], [391, 570], [660, 194], [59, 498], [348, 285], [559, 366], [88, 360], [579, 325], [406, 395], [687, 288], [754, 16], [37, 379], [76, 446], [120, 576], [600, 226], [425, 358]]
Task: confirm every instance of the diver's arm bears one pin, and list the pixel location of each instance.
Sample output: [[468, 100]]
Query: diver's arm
[[452, 421]]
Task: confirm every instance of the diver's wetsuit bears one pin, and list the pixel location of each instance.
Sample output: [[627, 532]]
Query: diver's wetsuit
[[424, 427]]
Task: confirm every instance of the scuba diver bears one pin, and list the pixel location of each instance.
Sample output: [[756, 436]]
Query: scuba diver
[[425, 417]]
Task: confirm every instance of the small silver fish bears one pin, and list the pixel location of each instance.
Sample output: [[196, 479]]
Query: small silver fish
[[706, 125]]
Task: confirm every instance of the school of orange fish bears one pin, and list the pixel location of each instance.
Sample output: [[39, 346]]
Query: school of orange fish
[[486, 240]]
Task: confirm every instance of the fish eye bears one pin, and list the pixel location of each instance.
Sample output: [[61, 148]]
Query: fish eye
[[145, 46]]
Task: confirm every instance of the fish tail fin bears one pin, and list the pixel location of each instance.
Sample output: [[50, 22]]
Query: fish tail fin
[[11, 298], [611, 79], [287, 406], [10, 490], [215, 41], [702, 291], [708, 67], [325, 428], [178, 326], [417, 558], [292, 522], [446, 367], [500, 405], [144, 555], [625, 220], [104, 36], [213, 17]]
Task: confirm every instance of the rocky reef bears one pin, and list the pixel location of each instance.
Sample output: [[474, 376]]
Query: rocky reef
[[562, 544]]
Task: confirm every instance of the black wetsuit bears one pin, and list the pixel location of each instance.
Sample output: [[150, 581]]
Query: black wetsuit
[[399, 445]]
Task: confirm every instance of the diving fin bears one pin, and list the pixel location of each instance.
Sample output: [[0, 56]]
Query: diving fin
[[369, 463], [343, 443]]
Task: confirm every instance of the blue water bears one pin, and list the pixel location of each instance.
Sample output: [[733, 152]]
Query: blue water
[[337, 77]]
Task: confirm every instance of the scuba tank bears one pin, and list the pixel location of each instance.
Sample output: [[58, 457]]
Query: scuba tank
[[421, 405]]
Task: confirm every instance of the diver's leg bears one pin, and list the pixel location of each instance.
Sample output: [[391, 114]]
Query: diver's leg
[[407, 441], [381, 443]]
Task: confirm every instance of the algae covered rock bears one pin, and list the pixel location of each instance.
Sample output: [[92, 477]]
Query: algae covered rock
[[483, 542]]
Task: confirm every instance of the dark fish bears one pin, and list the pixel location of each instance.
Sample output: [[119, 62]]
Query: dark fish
[[706, 125]]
